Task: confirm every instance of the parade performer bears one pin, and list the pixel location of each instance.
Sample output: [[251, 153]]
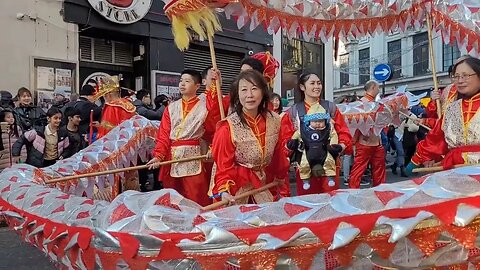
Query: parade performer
[[116, 109], [368, 149], [315, 146], [456, 134], [311, 88], [247, 147], [262, 62], [446, 96], [186, 130]]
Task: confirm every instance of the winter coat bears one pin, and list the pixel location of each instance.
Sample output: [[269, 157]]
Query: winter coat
[[61, 105], [85, 107], [74, 145], [5, 160], [29, 117], [35, 142], [147, 112]]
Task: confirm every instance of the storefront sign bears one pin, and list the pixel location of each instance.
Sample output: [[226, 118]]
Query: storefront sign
[[122, 11], [96, 76], [165, 83]]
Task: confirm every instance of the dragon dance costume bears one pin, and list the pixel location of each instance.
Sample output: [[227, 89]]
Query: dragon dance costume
[[114, 113], [368, 154]]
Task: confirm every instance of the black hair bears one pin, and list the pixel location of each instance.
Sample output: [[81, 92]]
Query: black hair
[[160, 100], [53, 110], [205, 72], [259, 81], [6, 99], [13, 127], [473, 63], [197, 77], [142, 93], [301, 81], [71, 112], [254, 63], [280, 106]]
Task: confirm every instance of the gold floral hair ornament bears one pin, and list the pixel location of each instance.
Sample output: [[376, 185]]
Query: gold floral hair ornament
[[107, 85], [189, 16]]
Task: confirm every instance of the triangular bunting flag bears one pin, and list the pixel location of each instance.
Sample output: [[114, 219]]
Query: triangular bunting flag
[[294, 209], [387, 196], [166, 201], [121, 212]]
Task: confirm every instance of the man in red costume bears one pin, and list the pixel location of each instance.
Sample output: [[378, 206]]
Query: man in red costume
[[368, 149], [116, 109], [186, 131]]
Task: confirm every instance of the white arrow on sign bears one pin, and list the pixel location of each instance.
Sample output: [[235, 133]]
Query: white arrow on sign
[[382, 72]]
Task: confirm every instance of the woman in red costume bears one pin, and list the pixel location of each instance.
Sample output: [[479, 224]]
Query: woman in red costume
[[456, 134], [262, 62], [247, 146], [446, 96], [311, 88]]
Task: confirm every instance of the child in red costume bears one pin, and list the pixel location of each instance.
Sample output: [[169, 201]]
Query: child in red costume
[[185, 131]]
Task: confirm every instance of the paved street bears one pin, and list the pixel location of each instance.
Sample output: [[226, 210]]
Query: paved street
[[15, 254]]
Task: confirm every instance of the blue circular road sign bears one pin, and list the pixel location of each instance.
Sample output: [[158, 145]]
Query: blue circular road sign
[[382, 72]]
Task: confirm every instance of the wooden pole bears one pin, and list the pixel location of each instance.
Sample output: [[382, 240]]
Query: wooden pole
[[217, 81], [438, 168], [241, 196], [432, 60], [71, 177], [413, 119]]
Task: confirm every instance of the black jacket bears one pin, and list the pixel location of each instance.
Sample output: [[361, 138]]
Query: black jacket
[[61, 105], [85, 106], [147, 112], [28, 117], [76, 142], [34, 140]]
